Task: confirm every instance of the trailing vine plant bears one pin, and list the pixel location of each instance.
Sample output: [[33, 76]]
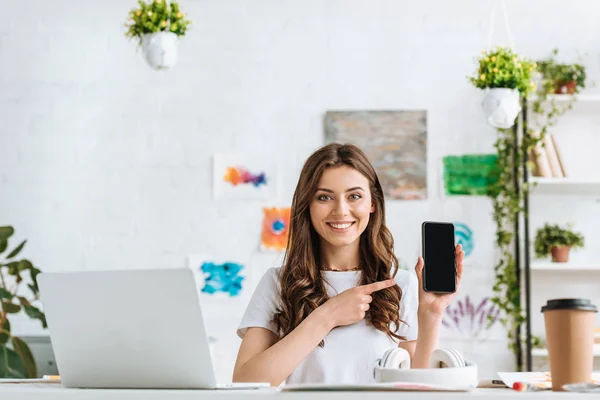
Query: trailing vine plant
[[507, 197], [510, 70]]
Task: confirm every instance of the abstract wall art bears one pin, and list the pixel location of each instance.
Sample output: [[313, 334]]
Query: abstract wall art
[[470, 174], [244, 177], [464, 236], [222, 277], [275, 228], [394, 141]]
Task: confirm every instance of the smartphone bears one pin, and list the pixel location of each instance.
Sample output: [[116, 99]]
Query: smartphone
[[439, 256]]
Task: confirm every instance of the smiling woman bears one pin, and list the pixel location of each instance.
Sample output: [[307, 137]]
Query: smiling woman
[[339, 301], [341, 209]]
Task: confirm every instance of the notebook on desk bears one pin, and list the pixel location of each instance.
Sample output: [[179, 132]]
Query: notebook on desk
[[129, 329]]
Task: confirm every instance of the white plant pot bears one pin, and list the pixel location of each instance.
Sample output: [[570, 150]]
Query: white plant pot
[[501, 107], [160, 49]]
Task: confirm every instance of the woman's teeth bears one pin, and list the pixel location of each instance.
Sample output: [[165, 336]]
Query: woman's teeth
[[341, 226]]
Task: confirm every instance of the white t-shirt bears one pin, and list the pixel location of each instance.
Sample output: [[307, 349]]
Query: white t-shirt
[[350, 351]]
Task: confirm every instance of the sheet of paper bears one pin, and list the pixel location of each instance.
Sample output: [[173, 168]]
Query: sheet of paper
[[541, 379]]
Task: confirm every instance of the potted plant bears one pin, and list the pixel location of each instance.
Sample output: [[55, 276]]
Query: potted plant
[[561, 78], [16, 359], [504, 76], [556, 241], [157, 26]]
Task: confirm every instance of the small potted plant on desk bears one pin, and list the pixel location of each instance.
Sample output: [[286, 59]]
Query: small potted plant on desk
[[16, 359], [556, 241]]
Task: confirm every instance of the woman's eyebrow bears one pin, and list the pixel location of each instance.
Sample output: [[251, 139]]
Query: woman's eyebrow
[[348, 190]]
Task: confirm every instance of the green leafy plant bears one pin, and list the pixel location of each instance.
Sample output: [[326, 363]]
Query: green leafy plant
[[156, 16], [549, 236], [561, 78], [16, 359], [501, 67], [553, 77]]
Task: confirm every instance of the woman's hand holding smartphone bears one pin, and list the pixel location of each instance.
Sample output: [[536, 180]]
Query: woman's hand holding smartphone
[[440, 269]]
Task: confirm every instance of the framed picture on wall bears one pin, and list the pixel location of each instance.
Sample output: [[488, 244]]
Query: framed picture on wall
[[394, 141]]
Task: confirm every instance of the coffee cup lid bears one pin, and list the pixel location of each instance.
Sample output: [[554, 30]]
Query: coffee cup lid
[[569, 304]]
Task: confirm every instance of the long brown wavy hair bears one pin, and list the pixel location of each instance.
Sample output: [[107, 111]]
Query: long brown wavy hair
[[302, 288]]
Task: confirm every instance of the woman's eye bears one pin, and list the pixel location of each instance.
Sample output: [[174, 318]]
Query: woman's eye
[[323, 197], [355, 196]]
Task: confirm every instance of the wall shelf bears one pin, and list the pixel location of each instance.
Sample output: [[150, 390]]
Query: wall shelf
[[544, 352], [568, 266], [564, 98], [564, 185], [564, 181]]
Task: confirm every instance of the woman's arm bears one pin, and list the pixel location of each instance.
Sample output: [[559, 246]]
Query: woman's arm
[[430, 313], [420, 350], [262, 358], [427, 341]]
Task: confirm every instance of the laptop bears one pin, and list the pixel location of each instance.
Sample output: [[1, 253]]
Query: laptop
[[129, 329]]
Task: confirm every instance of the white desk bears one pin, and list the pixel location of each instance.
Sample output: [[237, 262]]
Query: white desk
[[56, 392]]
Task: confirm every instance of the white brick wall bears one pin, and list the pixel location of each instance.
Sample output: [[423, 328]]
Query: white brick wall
[[105, 163]]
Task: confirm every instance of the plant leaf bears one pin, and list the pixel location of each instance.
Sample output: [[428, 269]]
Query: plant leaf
[[22, 349], [6, 232], [16, 251], [34, 272], [3, 245], [24, 302], [5, 294], [10, 308], [35, 313], [24, 264], [4, 332], [11, 365]]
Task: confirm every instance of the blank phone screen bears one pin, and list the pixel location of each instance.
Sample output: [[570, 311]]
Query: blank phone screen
[[439, 256]]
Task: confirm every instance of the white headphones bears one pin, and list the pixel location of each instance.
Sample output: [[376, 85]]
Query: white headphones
[[447, 368]]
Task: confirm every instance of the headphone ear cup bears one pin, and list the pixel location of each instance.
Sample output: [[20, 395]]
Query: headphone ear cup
[[459, 362], [396, 358], [447, 358], [384, 359]]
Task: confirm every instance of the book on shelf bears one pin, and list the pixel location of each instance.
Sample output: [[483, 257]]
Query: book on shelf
[[546, 158]]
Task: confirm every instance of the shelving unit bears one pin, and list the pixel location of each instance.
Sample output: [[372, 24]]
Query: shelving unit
[[524, 263]]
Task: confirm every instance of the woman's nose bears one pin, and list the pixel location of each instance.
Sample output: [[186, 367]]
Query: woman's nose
[[341, 208]]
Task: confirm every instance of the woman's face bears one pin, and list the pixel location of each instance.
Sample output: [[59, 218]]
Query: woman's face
[[341, 207]]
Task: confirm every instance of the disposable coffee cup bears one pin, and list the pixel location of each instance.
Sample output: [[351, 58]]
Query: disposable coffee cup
[[570, 340]]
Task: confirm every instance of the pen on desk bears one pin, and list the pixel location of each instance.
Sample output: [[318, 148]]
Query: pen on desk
[[524, 387]]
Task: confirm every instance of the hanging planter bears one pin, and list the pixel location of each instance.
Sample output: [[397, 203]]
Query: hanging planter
[[160, 49], [504, 76], [157, 27], [501, 106]]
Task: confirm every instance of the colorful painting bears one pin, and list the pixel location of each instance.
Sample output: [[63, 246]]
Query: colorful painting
[[275, 228], [244, 177], [464, 237], [471, 174], [394, 141], [223, 278]]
